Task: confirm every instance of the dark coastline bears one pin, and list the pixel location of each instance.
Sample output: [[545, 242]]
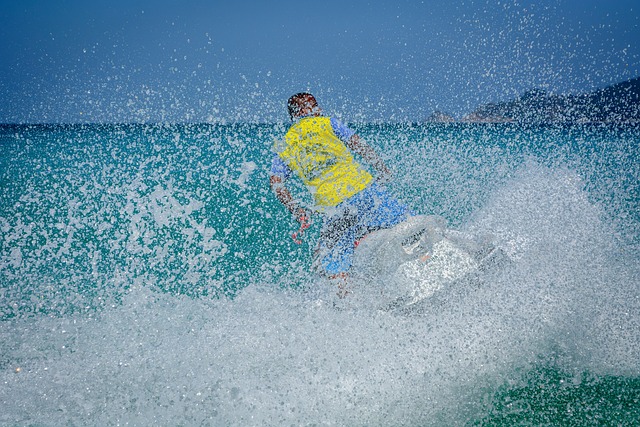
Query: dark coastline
[[618, 103]]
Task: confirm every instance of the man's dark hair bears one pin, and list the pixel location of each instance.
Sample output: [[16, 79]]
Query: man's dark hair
[[297, 101]]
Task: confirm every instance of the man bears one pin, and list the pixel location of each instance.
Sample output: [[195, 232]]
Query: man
[[319, 149]]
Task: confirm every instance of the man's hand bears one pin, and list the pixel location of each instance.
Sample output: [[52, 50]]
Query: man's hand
[[303, 216]]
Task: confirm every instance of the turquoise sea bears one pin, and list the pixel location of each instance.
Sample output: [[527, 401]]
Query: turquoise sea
[[148, 277]]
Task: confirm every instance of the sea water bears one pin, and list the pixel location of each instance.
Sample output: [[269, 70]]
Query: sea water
[[148, 277]]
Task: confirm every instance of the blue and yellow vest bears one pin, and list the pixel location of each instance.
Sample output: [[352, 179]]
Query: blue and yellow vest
[[323, 162]]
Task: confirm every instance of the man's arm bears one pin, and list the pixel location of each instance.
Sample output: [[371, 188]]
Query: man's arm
[[284, 196], [370, 156], [282, 193]]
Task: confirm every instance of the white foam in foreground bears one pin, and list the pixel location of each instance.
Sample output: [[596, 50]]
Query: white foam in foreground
[[275, 358]]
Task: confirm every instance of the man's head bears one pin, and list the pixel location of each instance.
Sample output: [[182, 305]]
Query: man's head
[[303, 104]]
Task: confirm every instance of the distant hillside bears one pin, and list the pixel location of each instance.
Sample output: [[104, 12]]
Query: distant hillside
[[440, 117], [619, 103]]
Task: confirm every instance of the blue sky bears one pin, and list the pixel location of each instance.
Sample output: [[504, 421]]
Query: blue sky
[[221, 61]]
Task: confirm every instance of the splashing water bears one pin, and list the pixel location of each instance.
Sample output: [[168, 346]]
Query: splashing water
[[148, 277]]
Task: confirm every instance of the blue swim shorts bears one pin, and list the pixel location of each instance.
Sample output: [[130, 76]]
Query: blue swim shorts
[[371, 209]]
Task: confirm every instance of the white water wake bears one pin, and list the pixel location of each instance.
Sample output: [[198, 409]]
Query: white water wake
[[275, 357]]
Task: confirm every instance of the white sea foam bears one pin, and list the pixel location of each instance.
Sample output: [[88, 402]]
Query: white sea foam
[[277, 357]]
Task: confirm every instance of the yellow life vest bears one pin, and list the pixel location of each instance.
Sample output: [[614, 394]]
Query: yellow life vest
[[323, 162]]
